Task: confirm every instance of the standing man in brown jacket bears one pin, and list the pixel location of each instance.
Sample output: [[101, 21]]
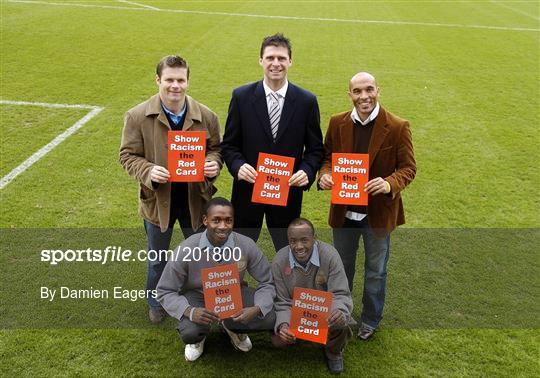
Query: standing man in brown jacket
[[370, 129], [143, 154]]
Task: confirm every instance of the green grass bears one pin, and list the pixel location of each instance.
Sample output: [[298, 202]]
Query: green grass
[[464, 271], [469, 267], [151, 353], [26, 129]]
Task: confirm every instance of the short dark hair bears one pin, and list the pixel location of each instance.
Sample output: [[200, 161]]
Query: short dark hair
[[302, 221], [217, 201], [171, 61], [276, 40]]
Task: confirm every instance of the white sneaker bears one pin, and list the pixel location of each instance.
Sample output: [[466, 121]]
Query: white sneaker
[[240, 341], [194, 351]]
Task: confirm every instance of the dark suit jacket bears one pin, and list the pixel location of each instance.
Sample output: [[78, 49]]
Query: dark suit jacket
[[247, 132], [391, 156]]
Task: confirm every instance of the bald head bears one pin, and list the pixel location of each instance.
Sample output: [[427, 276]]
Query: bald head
[[363, 77], [364, 94]]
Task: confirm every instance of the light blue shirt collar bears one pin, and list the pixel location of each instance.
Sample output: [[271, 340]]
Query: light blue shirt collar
[[175, 118], [314, 260]]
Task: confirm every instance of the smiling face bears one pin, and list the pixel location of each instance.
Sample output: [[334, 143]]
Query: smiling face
[[173, 85], [275, 62], [219, 222], [301, 241], [364, 94]]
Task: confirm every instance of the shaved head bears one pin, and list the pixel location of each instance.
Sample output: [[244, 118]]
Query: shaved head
[[364, 94], [362, 76]]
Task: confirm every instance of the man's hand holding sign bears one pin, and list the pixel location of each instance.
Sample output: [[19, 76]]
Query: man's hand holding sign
[[221, 288], [205, 283], [310, 313], [313, 301], [350, 179], [186, 158], [350, 174], [274, 174]]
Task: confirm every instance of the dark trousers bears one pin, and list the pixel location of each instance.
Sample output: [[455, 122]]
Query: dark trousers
[[158, 240], [192, 333], [249, 223], [248, 216]]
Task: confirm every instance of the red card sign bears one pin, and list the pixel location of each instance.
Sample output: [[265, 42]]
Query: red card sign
[[350, 172], [186, 154], [221, 289], [309, 315], [272, 183]]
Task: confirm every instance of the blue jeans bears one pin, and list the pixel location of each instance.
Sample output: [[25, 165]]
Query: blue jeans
[[157, 241], [377, 251]]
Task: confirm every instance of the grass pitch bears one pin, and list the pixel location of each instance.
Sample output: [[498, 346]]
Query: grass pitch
[[465, 74]]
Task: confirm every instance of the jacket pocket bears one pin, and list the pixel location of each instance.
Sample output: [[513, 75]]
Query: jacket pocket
[[146, 194], [147, 205]]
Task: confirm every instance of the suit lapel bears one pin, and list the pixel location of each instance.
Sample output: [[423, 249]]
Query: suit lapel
[[163, 119], [287, 111], [188, 122], [347, 133], [154, 107], [261, 108], [380, 130], [193, 113]]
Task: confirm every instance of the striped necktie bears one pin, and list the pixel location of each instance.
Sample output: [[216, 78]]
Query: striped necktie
[[274, 113]]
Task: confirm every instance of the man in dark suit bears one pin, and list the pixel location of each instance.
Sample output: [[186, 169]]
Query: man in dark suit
[[370, 129], [277, 117]]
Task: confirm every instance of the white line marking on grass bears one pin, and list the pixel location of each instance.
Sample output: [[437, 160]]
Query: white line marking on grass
[[48, 105], [519, 11], [52, 144], [206, 13], [140, 5]]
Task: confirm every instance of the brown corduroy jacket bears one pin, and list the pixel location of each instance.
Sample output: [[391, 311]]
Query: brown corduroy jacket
[[144, 144], [391, 156]]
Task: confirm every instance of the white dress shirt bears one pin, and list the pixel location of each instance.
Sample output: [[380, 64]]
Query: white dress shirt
[[281, 95]]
